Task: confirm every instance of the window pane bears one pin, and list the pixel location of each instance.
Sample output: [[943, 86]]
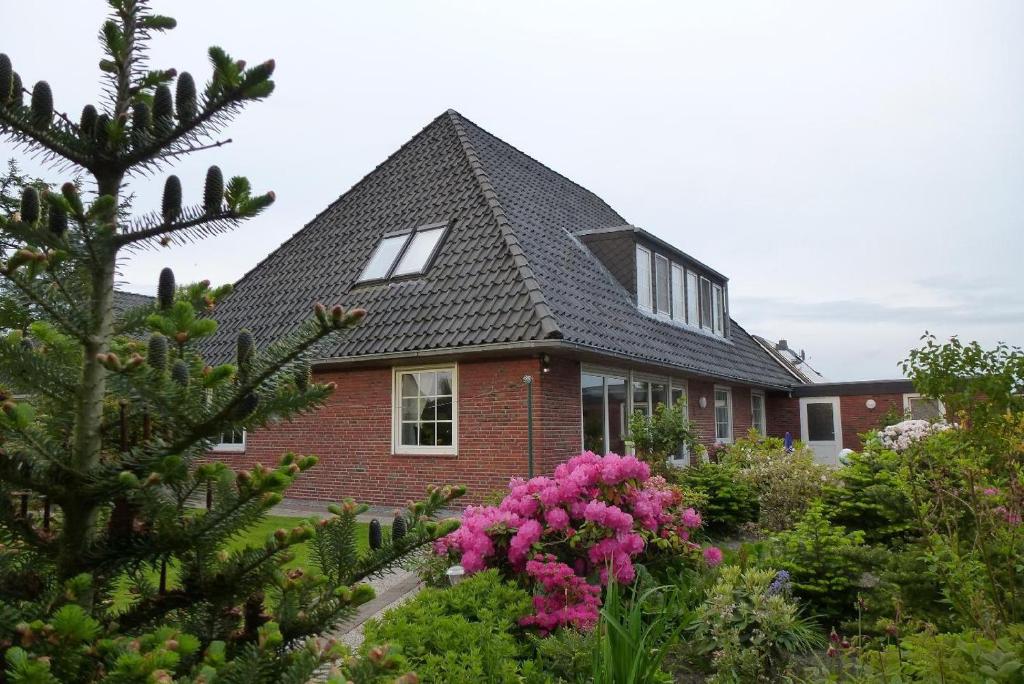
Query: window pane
[[444, 408], [678, 395], [593, 413], [820, 424], [444, 383], [723, 420], [643, 278], [757, 412], [640, 402], [924, 409], [427, 434], [691, 298], [409, 386], [705, 303], [444, 434], [410, 434], [422, 246], [678, 294], [719, 311], [383, 257], [616, 414], [659, 394], [662, 283], [411, 408]]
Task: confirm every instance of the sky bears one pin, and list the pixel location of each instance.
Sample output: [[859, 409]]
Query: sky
[[855, 169]]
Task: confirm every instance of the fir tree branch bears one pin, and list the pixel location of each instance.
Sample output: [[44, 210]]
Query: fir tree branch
[[21, 130], [25, 287], [222, 222], [194, 148]]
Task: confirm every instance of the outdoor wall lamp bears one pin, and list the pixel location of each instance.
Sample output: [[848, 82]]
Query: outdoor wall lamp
[[870, 403], [703, 402], [545, 363]]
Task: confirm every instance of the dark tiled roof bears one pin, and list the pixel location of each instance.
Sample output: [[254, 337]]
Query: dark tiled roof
[[510, 269], [124, 301]]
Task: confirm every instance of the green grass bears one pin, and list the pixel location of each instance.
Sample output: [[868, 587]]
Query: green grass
[[254, 536]]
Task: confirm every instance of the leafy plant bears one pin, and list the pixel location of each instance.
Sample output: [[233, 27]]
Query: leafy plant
[[786, 481], [867, 496], [750, 627], [729, 501], [631, 642], [825, 561], [659, 437], [467, 633]]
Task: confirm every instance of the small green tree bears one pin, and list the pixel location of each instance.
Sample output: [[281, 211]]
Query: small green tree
[[106, 415], [659, 437]]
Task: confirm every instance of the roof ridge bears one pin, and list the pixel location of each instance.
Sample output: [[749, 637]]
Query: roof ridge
[[549, 326], [570, 181]]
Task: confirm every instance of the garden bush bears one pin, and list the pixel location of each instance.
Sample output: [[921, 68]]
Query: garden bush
[[867, 496], [749, 628], [786, 481], [729, 501], [659, 437], [825, 562], [565, 536], [466, 633]]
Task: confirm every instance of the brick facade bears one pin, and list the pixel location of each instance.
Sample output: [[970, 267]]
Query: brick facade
[[858, 418], [351, 434], [783, 415]]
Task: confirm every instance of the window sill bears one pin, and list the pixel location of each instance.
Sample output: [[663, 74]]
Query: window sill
[[229, 449], [447, 453]]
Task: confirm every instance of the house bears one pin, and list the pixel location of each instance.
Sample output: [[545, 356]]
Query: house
[[515, 318]]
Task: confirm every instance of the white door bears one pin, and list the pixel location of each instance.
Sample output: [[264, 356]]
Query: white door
[[821, 428]]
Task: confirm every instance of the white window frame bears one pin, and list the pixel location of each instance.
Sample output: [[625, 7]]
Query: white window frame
[[729, 412], [645, 302], [674, 384], [711, 304], [667, 311], [917, 395], [759, 394], [717, 309], [630, 377], [677, 278], [409, 236], [231, 447], [399, 449], [692, 298]]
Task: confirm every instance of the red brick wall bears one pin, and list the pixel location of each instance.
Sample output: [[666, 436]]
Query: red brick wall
[[783, 415], [742, 413], [703, 418], [858, 418], [351, 434]]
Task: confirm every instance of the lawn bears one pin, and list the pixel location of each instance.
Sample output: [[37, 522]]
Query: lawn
[[255, 536]]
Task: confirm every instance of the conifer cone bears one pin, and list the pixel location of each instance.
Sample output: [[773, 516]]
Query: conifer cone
[[185, 97], [16, 90], [165, 289], [6, 78], [87, 122], [179, 373], [245, 346], [376, 538], [57, 221], [30, 205], [140, 123], [163, 111], [213, 190], [398, 528], [172, 199], [157, 356], [42, 104]]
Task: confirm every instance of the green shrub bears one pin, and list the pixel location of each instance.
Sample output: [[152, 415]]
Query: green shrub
[[826, 563], [867, 496], [786, 482], [467, 633], [749, 628], [659, 437], [730, 501]]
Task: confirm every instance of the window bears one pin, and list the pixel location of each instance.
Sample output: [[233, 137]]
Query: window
[[405, 254], [677, 394], [757, 419], [705, 303], [425, 411], [718, 303], [723, 414], [643, 278], [662, 283], [821, 425], [678, 294], [922, 408], [691, 298], [231, 441], [420, 249], [604, 413]]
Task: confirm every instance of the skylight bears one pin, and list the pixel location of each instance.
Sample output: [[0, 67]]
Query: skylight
[[405, 254]]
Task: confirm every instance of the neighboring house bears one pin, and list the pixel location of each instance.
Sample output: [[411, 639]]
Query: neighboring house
[[795, 363], [480, 266]]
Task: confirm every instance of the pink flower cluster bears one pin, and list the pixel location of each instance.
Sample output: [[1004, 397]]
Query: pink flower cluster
[[596, 516]]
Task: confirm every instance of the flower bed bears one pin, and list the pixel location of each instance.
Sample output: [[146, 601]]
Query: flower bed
[[567, 535]]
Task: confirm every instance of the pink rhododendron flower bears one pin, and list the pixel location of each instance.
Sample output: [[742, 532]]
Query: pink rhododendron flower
[[608, 506], [713, 555]]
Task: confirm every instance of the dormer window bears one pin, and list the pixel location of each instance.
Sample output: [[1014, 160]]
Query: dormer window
[[677, 293], [404, 254], [643, 279]]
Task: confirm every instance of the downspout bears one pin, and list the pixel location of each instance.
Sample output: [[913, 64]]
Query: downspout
[[528, 381]]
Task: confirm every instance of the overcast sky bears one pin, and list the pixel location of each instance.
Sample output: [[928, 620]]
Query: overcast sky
[[857, 170]]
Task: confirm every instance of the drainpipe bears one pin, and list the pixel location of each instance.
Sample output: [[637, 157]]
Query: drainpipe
[[528, 381]]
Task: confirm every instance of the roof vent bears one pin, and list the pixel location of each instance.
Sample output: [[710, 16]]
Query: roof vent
[[783, 345]]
